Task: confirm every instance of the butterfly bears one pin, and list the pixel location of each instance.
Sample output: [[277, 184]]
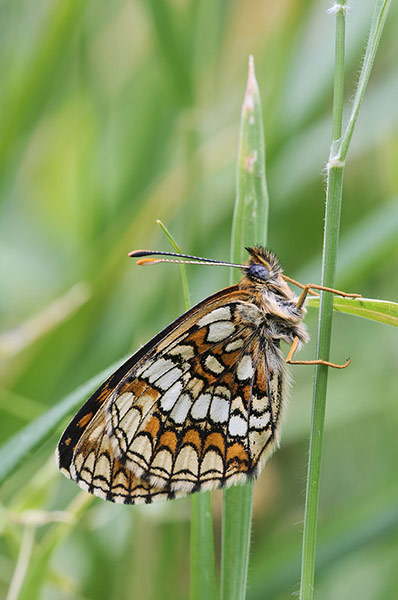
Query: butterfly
[[199, 406]]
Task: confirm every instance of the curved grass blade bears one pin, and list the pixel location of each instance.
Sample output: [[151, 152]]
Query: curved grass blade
[[184, 279], [23, 443], [383, 311]]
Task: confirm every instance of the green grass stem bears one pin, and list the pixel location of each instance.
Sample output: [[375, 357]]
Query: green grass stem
[[184, 278], [330, 243], [202, 558], [249, 227]]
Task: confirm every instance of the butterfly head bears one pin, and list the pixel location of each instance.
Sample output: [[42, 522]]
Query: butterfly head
[[263, 271]]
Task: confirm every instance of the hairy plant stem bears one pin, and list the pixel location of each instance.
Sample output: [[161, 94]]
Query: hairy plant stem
[[335, 174]]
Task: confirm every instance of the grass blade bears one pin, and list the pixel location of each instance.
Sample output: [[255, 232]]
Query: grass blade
[[379, 18], [250, 219], [29, 93], [383, 311], [20, 446], [202, 558], [249, 227]]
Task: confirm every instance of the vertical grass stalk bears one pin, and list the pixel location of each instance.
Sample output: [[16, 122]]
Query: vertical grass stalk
[[249, 227], [202, 560], [334, 191]]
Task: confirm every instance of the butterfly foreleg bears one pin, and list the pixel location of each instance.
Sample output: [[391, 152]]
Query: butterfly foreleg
[[313, 286], [318, 361], [307, 290]]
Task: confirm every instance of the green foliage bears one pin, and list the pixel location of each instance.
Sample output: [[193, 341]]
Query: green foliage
[[249, 227], [377, 310], [334, 198], [115, 116]]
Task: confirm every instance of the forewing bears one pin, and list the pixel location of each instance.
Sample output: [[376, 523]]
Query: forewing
[[203, 411], [84, 452]]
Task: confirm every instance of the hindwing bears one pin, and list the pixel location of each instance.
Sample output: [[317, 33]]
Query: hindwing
[[198, 407]]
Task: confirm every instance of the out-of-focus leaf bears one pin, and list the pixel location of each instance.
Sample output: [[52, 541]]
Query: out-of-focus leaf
[[30, 437], [383, 311]]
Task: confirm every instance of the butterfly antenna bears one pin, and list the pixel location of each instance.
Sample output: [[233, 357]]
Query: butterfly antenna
[[144, 255]]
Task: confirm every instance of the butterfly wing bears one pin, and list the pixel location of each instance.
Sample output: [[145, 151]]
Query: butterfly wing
[[203, 411], [84, 452]]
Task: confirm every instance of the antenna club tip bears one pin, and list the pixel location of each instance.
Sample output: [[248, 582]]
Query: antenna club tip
[[138, 253], [147, 261]]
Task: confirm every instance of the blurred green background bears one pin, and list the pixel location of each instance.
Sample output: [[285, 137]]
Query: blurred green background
[[115, 114]]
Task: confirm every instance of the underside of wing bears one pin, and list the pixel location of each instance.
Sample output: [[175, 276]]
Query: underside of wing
[[99, 398], [204, 410], [96, 470], [86, 453]]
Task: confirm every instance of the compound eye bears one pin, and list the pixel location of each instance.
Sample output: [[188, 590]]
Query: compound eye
[[259, 272]]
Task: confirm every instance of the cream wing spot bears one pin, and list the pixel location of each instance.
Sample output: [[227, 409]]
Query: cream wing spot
[[76, 464], [103, 466], [120, 481], [181, 409], [168, 378], [100, 492], [219, 409], [220, 330], [162, 464], [187, 464], [234, 345], [89, 463], [259, 404], [96, 433], [245, 368], [194, 386], [127, 427], [200, 407], [258, 441], [83, 485], [155, 370], [219, 314], [141, 451], [237, 426], [168, 399], [223, 391], [212, 465], [259, 422], [238, 406], [185, 351], [123, 403], [213, 365]]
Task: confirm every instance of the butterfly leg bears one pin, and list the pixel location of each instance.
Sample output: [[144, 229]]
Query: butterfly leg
[[318, 361], [313, 286], [307, 290]]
